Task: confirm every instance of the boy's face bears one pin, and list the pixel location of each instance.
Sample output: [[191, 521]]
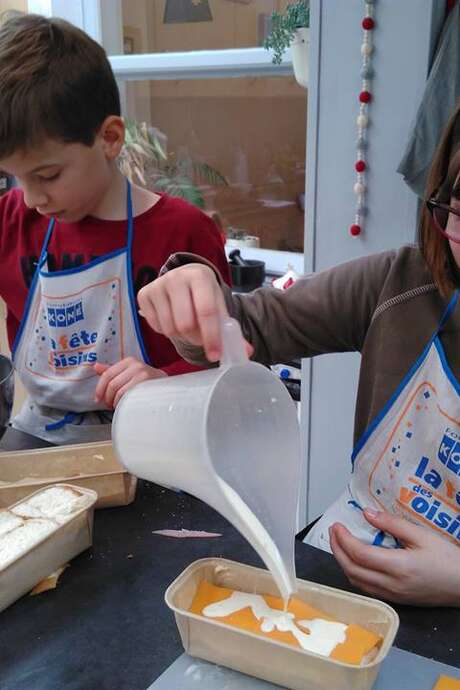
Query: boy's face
[[67, 181]]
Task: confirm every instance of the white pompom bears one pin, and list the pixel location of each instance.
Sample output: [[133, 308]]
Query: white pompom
[[366, 49], [359, 189], [362, 121]]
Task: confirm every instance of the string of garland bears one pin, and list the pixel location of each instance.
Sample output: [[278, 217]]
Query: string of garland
[[365, 99]]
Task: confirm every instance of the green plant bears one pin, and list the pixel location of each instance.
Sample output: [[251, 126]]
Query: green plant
[[284, 26], [144, 158]]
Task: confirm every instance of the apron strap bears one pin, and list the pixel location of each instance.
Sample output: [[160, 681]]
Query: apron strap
[[129, 259], [105, 417], [380, 536], [44, 250], [448, 311], [33, 286], [68, 418], [129, 208]]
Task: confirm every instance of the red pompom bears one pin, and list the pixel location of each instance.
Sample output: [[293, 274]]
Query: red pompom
[[365, 96], [360, 166], [355, 230], [368, 23]]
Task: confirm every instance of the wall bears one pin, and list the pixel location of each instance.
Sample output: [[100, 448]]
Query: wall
[[403, 47], [20, 5]]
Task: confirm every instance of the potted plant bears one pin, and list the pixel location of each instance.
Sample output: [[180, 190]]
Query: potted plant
[[290, 29], [143, 157]]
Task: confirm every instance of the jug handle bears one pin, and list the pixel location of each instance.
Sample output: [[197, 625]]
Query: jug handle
[[233, 345]]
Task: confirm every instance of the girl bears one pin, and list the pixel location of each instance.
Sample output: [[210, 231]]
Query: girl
[[399, 310]]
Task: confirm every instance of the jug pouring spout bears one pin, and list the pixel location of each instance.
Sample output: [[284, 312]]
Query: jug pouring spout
[[180, 432], [233, 348]]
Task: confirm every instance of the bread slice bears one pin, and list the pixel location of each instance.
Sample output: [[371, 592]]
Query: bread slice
[[27, 523]]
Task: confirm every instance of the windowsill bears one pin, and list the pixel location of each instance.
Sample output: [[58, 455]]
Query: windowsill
[[276, 262]]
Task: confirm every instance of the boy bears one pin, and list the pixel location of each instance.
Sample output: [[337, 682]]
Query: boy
[[76, 241]]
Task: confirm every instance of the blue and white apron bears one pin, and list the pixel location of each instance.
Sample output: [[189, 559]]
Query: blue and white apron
[[408, 460], [73, 319]]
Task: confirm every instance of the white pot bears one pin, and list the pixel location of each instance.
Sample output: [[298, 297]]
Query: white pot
[[299, 52]]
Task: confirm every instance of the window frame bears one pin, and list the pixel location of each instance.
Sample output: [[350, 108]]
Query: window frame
[[199, 64]]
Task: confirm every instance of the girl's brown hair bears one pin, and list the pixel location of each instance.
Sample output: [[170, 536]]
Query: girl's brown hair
[[55, 82], [441, 180]]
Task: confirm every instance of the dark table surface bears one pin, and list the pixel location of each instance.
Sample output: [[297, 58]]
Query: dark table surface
[[106, 626]]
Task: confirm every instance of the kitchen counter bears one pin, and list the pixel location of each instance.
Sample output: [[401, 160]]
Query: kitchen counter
[[106, 626]]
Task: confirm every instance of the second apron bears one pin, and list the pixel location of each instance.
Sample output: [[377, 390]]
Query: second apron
[[73, 319], [408, 460]]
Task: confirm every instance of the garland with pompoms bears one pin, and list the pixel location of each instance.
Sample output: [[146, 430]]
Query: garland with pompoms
[[365, 99]]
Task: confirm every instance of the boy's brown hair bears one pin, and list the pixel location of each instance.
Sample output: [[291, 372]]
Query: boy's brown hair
[[55, 82], [442, 184]]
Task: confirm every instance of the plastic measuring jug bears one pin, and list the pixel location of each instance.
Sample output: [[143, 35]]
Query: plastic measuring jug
[[229, 436]]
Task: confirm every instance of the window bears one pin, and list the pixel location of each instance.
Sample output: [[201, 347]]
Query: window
[[242, 144], [195, 72], [12, 8], [188, 25]]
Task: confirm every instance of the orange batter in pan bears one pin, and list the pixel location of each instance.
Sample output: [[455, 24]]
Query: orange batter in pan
[[356, 646]]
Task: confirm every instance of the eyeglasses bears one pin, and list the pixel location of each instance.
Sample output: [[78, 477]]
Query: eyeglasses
[[446, 219]]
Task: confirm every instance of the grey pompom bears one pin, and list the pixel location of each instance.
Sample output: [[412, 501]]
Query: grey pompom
[[367, 72]]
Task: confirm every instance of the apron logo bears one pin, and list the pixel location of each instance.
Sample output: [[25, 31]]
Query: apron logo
[[65, 315], [73, 350], [435, 499], [64, 361], [449, 451], [425, 505]]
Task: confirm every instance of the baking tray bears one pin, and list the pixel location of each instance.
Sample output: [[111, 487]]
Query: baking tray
[[89, 465], [54, 550], [273, 661]]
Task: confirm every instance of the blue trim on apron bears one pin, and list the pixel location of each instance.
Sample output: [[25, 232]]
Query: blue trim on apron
[[71, 417], [68, 418], [32, 288], [79, 269], [412, 371], [132, 296], [380, 536], [445, 365]]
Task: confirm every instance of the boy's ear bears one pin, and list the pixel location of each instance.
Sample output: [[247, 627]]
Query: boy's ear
[[112, 136]]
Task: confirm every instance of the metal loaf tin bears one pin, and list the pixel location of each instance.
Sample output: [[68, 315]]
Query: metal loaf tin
[[90, 465], [276, 662], [54, 550]]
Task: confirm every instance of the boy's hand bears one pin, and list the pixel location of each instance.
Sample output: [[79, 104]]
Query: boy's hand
[[115, 380], [424, 573], [186, 303]]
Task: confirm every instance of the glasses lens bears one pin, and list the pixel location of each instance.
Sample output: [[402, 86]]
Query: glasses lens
[[441, 216]]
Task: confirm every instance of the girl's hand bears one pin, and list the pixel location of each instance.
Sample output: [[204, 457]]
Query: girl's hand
[[188, 304], [424, 573], [115, 380]]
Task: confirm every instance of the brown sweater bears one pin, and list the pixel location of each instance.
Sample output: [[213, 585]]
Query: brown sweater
[[384, 306]]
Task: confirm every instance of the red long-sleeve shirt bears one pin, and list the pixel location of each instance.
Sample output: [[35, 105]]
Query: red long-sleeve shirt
[[172, 225]]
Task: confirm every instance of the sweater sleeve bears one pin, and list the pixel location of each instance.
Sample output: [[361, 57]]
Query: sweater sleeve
[[327, 312], [206, 244]]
